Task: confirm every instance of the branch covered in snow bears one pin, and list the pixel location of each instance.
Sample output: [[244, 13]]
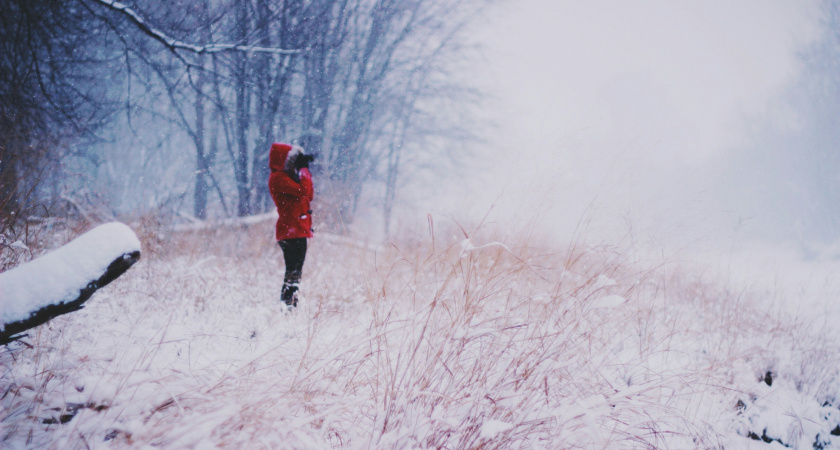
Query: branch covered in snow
[[63, 280], [175, 44]]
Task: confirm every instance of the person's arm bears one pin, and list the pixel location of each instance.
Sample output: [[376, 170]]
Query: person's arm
[[279, 183], [306, 183]]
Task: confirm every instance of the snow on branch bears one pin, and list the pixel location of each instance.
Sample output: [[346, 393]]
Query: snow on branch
[[63, 280], [175, 44]]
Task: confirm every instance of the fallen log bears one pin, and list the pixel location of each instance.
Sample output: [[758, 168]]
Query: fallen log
[[61, 281]]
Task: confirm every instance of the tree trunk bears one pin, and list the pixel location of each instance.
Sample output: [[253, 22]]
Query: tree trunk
[[243, 107], [265, 110], [202, 164]]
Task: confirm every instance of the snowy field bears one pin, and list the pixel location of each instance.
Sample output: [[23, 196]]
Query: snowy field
[[431, 342]]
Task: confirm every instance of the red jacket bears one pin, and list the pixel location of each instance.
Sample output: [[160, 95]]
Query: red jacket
[[291, 197]]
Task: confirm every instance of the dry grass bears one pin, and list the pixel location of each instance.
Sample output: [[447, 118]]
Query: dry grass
[[426, 343]]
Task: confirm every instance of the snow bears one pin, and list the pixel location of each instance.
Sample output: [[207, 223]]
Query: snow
[[394, 347], [785, 415], [19, 245], [59, 275], [610, 301], [467, 246], [173, 43], [604, 281], [197, 225], [491, 428]]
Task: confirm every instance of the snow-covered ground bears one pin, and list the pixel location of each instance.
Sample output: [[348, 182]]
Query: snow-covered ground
[[430, 343]]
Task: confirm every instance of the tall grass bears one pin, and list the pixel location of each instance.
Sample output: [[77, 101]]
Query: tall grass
[[467, 342]]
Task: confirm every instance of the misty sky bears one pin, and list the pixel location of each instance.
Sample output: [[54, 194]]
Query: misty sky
[[622, 112]]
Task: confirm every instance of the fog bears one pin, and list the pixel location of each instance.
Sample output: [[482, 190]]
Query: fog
[[630, 119], [670, 123]]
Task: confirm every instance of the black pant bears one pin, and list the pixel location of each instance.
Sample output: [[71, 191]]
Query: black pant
[[294, 252]]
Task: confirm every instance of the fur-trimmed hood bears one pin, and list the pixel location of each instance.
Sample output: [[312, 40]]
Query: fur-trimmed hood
[[283, 157], [277, 156], [292, 157]]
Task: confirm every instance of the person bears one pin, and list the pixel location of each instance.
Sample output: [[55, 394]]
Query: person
[[290, 185]]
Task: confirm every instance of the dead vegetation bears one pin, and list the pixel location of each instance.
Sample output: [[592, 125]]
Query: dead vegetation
[[469, 341]]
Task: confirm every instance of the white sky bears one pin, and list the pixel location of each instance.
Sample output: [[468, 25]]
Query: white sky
[[620, 111]]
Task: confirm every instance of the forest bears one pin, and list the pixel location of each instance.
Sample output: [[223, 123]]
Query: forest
[[169, 108], [537, 224]]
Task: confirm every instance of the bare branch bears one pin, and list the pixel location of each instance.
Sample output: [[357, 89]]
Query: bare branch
[[175, 44]]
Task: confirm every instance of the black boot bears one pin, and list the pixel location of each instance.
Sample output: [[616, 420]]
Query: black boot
[[289, 295]]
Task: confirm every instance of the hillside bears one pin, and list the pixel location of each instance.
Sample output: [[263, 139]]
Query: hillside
[[434, 342]]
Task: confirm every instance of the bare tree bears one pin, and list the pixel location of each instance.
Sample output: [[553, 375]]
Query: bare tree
[[52, 56], [274, 74], [351, 80], [399, 48]]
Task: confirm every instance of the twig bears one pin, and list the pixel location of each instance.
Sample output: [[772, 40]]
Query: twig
[[175, 44]]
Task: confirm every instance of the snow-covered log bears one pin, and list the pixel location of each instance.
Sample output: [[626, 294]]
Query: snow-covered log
[[64, 279]]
